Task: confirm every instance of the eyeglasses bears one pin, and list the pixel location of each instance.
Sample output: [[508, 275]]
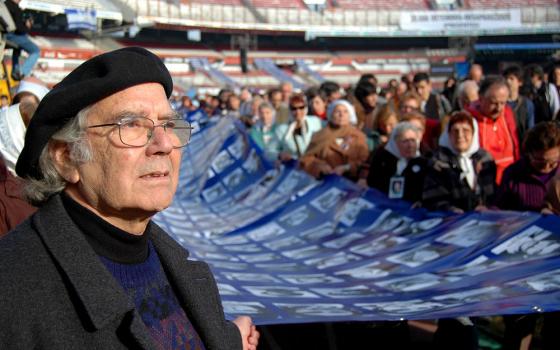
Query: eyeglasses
[[409, 108], [295, 108], [137, 131]]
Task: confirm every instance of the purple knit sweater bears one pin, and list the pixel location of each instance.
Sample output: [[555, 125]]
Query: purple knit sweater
[[522, 189]]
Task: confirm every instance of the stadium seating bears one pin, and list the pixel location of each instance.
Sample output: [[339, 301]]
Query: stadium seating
[[382, 4], [293, 4], [494, 4], [216, 2]]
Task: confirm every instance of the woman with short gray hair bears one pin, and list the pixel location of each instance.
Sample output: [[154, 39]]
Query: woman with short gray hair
[[398, 169]]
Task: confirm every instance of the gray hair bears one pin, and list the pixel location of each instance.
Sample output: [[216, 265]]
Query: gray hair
[[403, 127], [38, 191]]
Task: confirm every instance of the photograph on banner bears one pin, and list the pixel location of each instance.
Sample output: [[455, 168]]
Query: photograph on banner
[[297, 216], [266, 232], [469, 233], [260, 258], [542, 282], [228, 289], [341, 240], [214, 193], [295, 181], [328, 200], [246, 308], [316, 309], [252, 164], [282, 267], [250, 277], [377, 245], [352, 208], [330, 261], [284, 243], [472, 296], [415, 282], [403, 308], [234, 179], [228, 265], [238, 148], [244, 248], [367, 271], [307, 252], [421, 255], [317, 233], [276, 291], [353, 292], [317, 278], [222, 161]]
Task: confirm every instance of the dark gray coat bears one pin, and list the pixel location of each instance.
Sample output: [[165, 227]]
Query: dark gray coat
[[56, 294]]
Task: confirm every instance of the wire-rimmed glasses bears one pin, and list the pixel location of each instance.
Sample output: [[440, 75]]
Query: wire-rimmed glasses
[[137, 131]]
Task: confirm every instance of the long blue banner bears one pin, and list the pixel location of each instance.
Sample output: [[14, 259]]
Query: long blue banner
[[286, 248]]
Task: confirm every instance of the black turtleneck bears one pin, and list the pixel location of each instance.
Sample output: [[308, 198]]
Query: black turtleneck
[[107, 240]]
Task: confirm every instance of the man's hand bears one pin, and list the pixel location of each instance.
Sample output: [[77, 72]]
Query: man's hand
[[249, 333]]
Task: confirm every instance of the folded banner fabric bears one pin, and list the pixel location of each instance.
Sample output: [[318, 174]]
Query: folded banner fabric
[[286, 248]]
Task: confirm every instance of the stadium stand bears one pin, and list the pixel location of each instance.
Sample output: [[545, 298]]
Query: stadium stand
[[292, 4], [492, 4], [217, 2], [383, 4]]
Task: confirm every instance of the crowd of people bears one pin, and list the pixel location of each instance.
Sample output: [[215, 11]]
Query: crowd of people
[[481, 143]]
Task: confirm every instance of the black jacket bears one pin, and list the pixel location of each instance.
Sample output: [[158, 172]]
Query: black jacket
[[17, 16], [383, 166], [57, 294], [444, 188]]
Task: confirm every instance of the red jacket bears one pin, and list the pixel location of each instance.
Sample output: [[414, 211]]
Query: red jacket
[[498, 137]]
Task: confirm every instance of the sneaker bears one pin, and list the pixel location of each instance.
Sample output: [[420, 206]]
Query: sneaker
[[16, 76]]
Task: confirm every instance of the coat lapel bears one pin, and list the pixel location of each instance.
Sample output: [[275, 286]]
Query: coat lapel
[[196, 291], [102, 299]]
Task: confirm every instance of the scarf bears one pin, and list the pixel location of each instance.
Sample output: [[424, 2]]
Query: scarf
[[392, 147], [464, 158]]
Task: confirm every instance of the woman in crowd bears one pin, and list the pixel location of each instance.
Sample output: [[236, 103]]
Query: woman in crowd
[[365, 104], [410, 102], [526, 181], [461, 175], [430, 130], [383, 124], [317, 103], [295, 136], [264, 132], [339, 148], [398, 169]]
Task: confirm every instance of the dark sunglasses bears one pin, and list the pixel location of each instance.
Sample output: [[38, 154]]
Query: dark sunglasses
[[294, 108]]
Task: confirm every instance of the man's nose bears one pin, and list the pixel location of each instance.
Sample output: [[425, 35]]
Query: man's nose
[[161, 140]]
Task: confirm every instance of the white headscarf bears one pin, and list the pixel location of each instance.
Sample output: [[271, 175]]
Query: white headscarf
[[351, 111], [465, 162], [12, 136], [32, 87], [392, 147]]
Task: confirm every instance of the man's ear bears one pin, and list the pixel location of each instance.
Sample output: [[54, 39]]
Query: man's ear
[[60, 155]]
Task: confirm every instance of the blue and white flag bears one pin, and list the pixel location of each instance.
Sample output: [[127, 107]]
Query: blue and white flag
[[81, 19], [286, 248]]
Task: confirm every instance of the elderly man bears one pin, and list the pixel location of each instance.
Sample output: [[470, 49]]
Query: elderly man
[[90, 270], [496, 123]]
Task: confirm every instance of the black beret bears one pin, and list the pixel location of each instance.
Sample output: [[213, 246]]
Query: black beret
[[91, 82]]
